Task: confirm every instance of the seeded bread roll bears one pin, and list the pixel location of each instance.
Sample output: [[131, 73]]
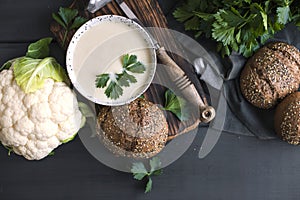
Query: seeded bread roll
[[287, 119], [138, 130], [270, 74]]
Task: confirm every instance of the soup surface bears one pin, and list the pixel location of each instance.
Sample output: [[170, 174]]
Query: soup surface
[[100, 49]]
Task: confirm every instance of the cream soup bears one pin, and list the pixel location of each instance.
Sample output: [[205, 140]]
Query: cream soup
[[100, 49]]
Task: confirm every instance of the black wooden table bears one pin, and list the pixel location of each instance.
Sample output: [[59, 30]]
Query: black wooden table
[[238, 168]]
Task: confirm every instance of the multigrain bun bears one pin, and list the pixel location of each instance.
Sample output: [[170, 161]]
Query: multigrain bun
[[138, 130], [270, 74], [287, 119]]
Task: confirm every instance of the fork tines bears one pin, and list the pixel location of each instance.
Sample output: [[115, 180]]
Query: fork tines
[[182, 82]]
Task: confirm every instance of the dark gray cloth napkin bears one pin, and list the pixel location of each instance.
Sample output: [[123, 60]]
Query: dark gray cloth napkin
[[260, 122], [222, 77]]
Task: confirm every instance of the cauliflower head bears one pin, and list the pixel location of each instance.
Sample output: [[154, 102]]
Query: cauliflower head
[[34, 124]]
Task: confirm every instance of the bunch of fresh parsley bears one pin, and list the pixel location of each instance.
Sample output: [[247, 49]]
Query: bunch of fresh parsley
[[114, 89], [238, 25]]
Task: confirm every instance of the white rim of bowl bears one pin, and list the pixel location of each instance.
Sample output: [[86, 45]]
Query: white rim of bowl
[[88, 25]]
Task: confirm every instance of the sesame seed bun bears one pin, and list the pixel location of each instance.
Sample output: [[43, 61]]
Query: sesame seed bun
[[137, 130], [287, 119], [270, 74]]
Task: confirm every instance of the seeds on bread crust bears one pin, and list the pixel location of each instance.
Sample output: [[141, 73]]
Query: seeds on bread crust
[[270, 74], [287, 119], [138, 129]]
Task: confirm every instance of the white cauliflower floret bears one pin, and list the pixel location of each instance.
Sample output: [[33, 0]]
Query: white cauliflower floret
[[34, 124]]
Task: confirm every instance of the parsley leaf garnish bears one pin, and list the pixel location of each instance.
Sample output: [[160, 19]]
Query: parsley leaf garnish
[[101, 80], [125, 79], [128, 60], [131, 64], [114, 90], [68, 18], [137, 67], [140, 172]]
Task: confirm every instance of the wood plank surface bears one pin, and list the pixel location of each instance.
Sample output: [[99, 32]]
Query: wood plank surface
[[151, 15]]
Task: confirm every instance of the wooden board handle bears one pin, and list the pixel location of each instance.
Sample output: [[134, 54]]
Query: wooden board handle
[[207, 113]]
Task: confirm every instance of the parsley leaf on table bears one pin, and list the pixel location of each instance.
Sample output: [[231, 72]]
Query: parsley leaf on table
[[155, 165], [140, 172], [176, 105], [149, 185], [68, 19]]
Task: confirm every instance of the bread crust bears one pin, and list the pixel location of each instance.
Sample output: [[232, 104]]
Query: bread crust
[[270, 74], [287, 119], [138, 130]]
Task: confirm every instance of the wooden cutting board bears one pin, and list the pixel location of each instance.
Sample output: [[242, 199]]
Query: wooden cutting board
[[151, 15]]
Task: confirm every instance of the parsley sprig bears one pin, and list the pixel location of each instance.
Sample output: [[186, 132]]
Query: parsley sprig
[[140, 172], [239, 25], [176, 104], [68, 18], [113, 82]]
